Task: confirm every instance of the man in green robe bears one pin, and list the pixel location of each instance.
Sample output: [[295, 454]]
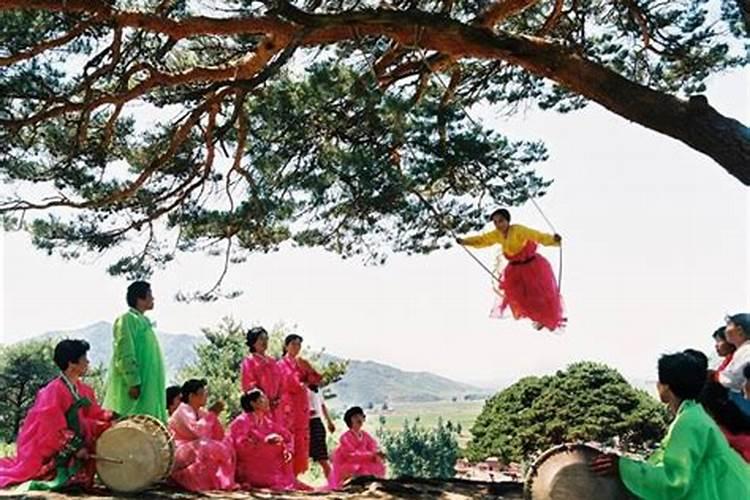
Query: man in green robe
[[695, 461], [136, 382]]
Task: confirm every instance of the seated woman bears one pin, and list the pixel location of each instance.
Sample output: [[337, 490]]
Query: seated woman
[[733, 423], [357, 453], [58, 435], [174, 398], [695, 461], [203, 461], [262, 446]]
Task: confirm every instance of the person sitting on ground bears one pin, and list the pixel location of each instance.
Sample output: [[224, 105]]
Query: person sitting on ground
[[263, 447], [174, 398], [733, 423], [732, 377], [358, 453], [59, 432], [203, 461], [724, 349], [695, 461]]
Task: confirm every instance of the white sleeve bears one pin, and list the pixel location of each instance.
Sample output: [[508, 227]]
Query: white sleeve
[[732, 377]]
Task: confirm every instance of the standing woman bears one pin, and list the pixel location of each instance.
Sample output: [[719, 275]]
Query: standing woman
[[297, 374], [260, 371], [527, 284]]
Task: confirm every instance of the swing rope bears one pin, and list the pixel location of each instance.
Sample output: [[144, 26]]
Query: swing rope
[[438, 214]]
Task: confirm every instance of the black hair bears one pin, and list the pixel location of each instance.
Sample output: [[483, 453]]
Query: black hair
[[172, 392], [192, 386], [698, 356], [746, 371], [351, 413], [683, 373], [137, 290], [253, 335], [250, 397], [720, 333], [741, 320], [69, 351], [503, 212], [291, 338], [715, 399]]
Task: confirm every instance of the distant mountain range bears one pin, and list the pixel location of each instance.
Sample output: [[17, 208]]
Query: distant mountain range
[[365, 381]]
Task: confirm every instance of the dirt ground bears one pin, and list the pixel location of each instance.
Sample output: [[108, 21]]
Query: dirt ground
[[406, 488]]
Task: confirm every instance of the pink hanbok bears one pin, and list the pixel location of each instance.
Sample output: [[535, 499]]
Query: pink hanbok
[[64, 419], [259, 371], [295, 407], [203, 461], [356, 455], [261, 464]]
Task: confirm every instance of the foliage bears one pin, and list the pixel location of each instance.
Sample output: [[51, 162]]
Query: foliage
[[160, 127], [586, 402], [219, 359], [24, 369], [416, 451]]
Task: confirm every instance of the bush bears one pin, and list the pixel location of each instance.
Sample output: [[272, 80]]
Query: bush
[[586, 402], [419, 452]]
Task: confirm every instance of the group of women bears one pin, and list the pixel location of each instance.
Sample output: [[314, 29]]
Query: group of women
[[269, 444]]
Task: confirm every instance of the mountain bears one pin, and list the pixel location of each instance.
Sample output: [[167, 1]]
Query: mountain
[[178, 350], [365, 381]]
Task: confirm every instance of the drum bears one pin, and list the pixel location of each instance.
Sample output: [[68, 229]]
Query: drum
[[562, 473], [134, 453]]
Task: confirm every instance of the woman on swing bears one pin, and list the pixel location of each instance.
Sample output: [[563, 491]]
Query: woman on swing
[[527, 284]]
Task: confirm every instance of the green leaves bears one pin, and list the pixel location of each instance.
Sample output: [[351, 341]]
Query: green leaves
[[416, 451], [586, 402], [24, 369]]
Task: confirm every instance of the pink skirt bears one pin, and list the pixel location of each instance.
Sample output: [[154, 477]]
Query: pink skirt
[[528, 287]]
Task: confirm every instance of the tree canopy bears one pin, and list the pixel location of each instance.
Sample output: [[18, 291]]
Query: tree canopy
[[586, 402], [232, 126]]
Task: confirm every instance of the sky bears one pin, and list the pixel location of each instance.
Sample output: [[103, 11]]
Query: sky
[[656, 252]]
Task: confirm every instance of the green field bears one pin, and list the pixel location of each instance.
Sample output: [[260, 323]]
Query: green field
[[461, 412]]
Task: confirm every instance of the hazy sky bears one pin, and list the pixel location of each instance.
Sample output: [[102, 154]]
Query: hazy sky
[[657, 250]]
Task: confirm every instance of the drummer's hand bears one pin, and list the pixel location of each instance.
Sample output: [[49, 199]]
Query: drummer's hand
[[460, 241], [558, 238], [82, 454], [134, 392], [605, 464], [217, 407]]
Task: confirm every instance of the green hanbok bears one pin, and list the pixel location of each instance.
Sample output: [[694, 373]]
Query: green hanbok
[[136, 361], [694, 462]]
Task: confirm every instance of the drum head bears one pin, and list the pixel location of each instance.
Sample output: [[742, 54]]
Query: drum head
[[133, 457], [562, 473]]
